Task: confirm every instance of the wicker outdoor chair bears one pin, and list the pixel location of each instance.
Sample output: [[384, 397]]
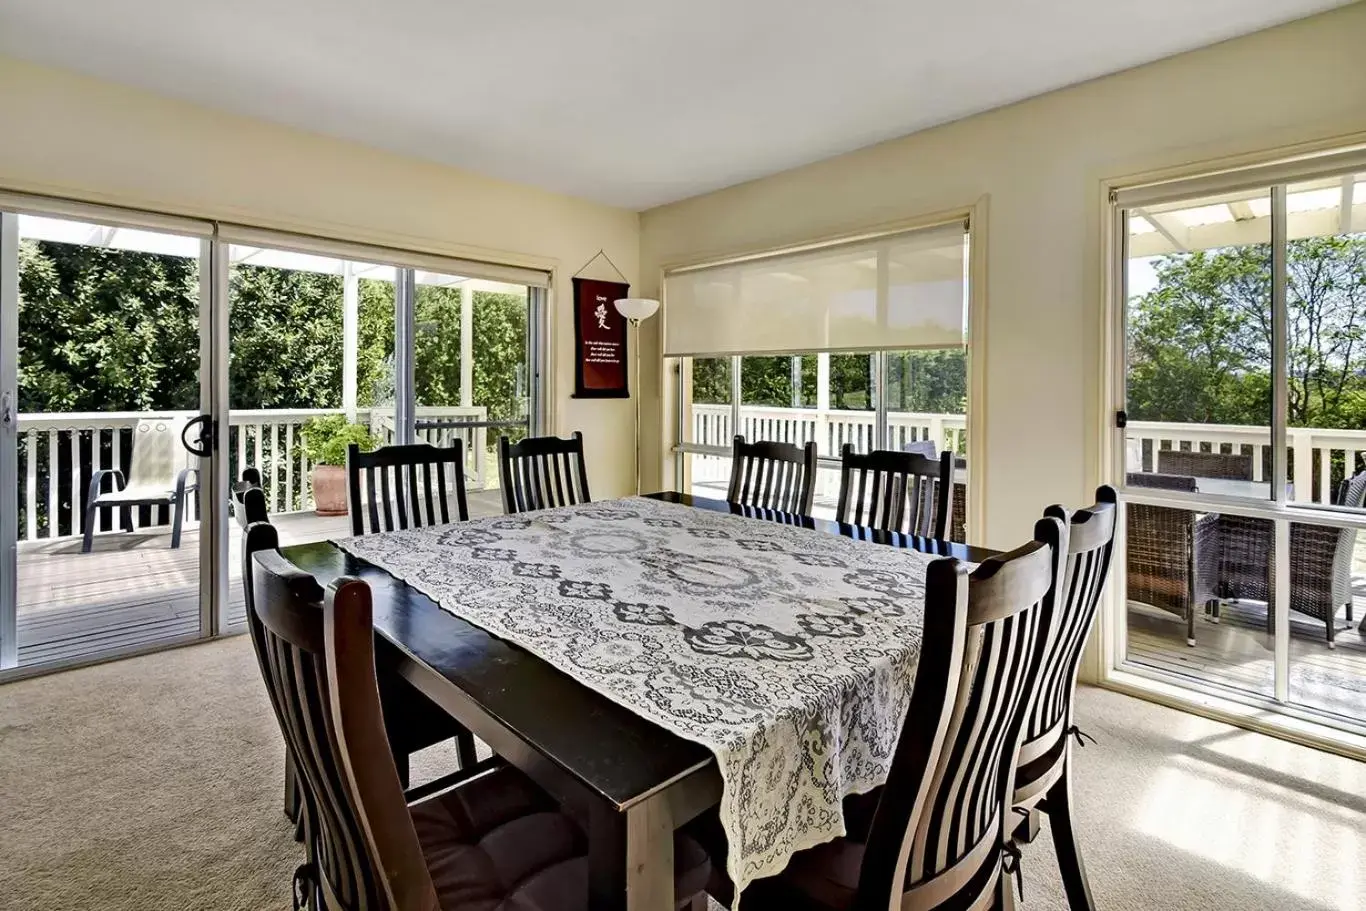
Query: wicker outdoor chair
[[1320, 563], [1233, 466], [1173, 555]]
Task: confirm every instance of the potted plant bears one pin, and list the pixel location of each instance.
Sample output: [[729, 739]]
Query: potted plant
[[325, 440]]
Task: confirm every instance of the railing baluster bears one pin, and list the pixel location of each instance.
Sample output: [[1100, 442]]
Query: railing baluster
[[52, 483], [289, 467], [275, 467], [76, 500], [1325, 476], [31, 484], [241, 451], [256, 451]]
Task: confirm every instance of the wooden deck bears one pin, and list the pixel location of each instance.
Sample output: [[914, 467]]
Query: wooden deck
[[132, 590], [1238, 652]]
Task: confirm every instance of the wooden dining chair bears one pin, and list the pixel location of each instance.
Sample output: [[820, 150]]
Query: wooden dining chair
[[405, 486], [777, 476], [414, 722], [489, 839], [542, 473], [896, 491], [938, 834], [1043, 775]]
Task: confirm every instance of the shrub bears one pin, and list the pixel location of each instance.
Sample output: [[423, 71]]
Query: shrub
[[325, 439]]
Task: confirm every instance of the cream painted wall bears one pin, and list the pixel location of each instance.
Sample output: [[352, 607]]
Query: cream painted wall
[[68, 135], [1040, 163]]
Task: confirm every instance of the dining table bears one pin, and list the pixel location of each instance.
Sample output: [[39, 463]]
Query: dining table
[[630, 779]]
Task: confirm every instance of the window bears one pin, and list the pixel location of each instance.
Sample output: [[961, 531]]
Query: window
[[1244, 321], [908, 287]]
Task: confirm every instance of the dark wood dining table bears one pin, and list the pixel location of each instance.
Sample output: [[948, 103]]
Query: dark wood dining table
[[631, 781]]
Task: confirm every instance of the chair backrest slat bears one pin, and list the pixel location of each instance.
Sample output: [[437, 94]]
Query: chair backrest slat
[[910, 493], [777, 476], [542, 473], [943, 818], [398, 480]]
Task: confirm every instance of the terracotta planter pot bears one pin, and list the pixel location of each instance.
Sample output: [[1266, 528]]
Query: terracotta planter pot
[[329, 490]]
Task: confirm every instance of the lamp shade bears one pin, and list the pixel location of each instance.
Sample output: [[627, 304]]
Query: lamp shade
[[637, 308]]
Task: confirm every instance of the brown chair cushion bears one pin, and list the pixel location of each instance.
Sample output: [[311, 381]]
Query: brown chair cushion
[[823, 878], [500, 844]]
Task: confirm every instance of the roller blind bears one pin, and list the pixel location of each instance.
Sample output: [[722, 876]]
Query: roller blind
[[257, 237], [893, 292]]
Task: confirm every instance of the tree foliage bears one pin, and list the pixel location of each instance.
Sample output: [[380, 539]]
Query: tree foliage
[[923, 381], [117, 330], [1200, 341]]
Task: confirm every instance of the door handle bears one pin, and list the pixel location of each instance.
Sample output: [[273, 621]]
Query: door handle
[[207, 439], [7, 410]]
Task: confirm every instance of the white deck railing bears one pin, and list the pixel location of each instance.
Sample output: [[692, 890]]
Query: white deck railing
[[830, 430], [1312, 450], [72, 446]]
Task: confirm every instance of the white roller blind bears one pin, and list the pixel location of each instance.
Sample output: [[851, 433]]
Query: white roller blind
[[322, 247], [895, 292]]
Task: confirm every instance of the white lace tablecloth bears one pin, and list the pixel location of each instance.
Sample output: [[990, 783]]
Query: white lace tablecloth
[[789, 653]]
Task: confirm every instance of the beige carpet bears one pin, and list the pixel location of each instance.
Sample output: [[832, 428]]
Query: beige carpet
[[153, 784]]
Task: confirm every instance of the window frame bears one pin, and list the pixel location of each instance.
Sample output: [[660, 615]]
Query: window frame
[[1278, 172], [974, 217]]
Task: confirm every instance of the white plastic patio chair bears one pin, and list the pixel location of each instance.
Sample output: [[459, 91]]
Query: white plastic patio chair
[[158, 475]]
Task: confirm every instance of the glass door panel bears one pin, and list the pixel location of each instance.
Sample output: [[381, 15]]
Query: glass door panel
[[108, 347], [927, 412], [311, 365], [1199, 384], [1325, 303], [706, 418], [471, 359], [1199, 326]]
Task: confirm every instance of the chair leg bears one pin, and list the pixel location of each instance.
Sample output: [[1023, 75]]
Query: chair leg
[[1066, 845], [464, 748], [126, 514], [92, 515], [1190, 626], [176, 522], [293, 799]]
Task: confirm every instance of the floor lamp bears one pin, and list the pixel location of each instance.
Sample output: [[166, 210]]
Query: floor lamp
[[636, 309]]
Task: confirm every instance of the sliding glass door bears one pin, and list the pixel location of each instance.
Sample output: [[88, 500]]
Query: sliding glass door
[[149, 362], [103, 342], [1240, 437]]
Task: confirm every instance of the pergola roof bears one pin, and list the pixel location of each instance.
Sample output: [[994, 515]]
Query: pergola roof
[[1319, 208], [61, 230]]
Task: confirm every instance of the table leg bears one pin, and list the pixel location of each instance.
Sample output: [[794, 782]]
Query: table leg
[[631, 858], [649, 857]]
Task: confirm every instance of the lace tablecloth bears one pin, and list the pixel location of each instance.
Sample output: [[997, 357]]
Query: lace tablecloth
[[788, 652]]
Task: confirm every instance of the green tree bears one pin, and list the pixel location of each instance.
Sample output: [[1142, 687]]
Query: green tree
[[105, 330], [1200, 341]]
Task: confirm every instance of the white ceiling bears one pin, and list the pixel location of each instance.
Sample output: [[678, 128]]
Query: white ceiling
[[627, 102]]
